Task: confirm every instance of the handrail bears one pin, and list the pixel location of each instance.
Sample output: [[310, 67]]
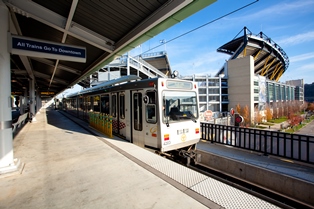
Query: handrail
[[148, 66], [286, 145]]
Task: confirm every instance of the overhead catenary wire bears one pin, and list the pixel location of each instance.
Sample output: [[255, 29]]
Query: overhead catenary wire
[[212, 21]]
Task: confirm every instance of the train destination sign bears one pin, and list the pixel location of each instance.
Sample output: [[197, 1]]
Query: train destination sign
[[46, 49]]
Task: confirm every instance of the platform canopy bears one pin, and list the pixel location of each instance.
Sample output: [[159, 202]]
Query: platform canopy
[[103, 29], [270, 60]]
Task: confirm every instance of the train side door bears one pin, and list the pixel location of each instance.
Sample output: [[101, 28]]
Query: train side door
[[150, 119], [113, 113], [137, 118], [122, 119]]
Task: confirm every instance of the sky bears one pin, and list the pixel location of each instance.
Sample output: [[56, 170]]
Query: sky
[[289, 23]]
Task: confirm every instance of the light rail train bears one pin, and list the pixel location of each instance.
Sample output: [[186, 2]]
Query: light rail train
[[159, 113]]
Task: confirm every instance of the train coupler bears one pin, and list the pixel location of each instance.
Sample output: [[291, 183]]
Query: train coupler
[[188, 156]]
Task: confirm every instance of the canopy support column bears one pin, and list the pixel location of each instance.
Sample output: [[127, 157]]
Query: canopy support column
[[7, 162]]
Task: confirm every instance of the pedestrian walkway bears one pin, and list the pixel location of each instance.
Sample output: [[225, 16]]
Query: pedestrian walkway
[[308, 129], [67, 167]]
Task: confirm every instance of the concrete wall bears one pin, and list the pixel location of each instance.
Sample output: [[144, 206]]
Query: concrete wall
[[241, 83], [289, 186]]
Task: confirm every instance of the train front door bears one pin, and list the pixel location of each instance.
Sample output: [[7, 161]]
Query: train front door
[[137, 118]]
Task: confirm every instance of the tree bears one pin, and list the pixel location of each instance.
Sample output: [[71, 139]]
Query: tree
[[268, 113], [246, 115], [280, 110], [275, 111], [296, 106], [304, 106], [238, 108], [310, 107], [285, 108], [257, 115], [294, 119]]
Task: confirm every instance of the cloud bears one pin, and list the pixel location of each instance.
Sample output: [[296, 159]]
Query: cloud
[[302, 57], [282, 8], [297, 39], [306, 68], [206, 63], [303, 71]]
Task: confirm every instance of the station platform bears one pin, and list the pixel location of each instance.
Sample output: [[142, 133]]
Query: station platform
[[65, 166]]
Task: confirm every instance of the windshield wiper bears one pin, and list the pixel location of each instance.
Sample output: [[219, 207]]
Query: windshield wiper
[[192, 117], [167, 121]]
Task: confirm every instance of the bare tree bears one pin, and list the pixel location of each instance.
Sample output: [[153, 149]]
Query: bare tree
[[275, 110], [304, 106], [280, 109], [257, 115], [285, 109]]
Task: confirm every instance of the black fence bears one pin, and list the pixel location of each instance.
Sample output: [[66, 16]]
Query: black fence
[[286, 145]]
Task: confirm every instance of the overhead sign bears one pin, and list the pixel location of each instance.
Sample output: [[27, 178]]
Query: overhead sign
[[46, 49], [47, 93]]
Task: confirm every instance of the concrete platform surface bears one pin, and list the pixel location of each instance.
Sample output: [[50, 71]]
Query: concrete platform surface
[[67, 167]]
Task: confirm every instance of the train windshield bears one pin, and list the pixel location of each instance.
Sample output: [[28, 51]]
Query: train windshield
[[179, 106]]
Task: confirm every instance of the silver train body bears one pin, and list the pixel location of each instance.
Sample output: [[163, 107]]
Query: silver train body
[[159, 113]]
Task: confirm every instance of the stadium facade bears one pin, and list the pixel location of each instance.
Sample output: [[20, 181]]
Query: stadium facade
[[250, 77]]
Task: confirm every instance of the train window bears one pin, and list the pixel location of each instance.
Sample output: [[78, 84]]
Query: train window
[[105, 104], [97, 103], [84, 107], [151, 96], [179, 106], [114, 105], [137, 111], [151, 107], [122, 106], [87, 104], [151, 113]]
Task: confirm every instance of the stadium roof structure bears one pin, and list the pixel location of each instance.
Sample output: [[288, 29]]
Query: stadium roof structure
[[270, 60], [107, 29]]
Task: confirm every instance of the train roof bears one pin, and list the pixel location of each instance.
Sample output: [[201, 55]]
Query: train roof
[[125, 82], [106, 84]]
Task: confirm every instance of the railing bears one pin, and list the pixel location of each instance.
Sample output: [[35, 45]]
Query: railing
[[137, 65], [286, 145], [154, 54], [142, 64], [101, 122]]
